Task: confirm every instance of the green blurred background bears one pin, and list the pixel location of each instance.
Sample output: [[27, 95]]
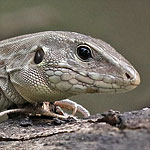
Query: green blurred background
[[125, 24]]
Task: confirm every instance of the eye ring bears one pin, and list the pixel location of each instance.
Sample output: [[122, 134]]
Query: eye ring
[[39, 55], [84, 52]]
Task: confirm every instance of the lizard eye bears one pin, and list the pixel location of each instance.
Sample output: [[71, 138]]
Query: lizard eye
[[38, 55], [84, 52]]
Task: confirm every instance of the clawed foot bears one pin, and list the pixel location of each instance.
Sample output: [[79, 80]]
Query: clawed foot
[[71, 105], [67, 104], [48, 109]]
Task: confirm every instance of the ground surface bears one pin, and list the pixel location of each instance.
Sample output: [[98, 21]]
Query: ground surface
[[110, 131]]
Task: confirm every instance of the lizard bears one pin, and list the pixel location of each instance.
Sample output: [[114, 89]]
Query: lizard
[[54, 65]]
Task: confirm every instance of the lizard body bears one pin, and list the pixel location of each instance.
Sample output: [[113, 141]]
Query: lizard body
[[55, 65]]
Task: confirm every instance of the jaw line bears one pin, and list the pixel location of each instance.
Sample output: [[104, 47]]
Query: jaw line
[[125, 89]]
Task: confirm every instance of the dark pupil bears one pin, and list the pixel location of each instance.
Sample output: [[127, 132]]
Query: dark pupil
[[39, 55], [84, 52]]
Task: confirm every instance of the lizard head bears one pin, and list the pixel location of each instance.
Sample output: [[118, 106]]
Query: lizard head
[[63, 64], [84, 65]]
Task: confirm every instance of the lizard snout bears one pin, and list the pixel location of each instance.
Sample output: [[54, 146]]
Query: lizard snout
[[133, 76]]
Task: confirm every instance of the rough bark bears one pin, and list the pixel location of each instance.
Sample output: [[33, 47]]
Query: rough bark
[[108, 131]]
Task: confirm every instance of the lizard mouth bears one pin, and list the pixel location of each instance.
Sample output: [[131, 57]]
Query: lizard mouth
[[71, 80]]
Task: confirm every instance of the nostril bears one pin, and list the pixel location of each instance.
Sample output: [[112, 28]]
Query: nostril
[[128, 76]]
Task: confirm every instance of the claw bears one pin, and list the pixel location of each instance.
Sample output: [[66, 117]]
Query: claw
[[46, 106], [71, 105]]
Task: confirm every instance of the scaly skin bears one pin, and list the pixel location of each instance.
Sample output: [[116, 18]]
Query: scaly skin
[[60, 69]]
